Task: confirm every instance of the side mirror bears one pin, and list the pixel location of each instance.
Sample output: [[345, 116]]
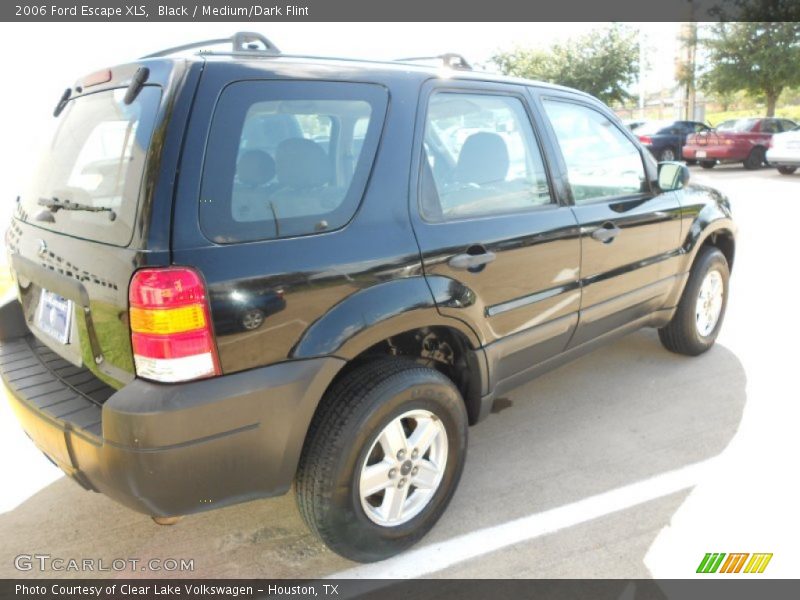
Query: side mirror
[[672, 176]]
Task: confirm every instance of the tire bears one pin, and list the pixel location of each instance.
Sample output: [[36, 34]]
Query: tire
[[756, 158], [667, 154], [684, 334], [346, 436], [708, 164], [783, 170], [252, 319], [691, 162]]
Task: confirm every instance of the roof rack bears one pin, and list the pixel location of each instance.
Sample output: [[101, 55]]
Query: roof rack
[[242, 42], [450, 60]]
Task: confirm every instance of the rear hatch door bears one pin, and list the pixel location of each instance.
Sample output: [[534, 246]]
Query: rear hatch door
[[90, 216]]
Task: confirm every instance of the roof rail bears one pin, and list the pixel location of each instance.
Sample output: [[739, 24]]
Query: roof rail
[[450, 60], [242, 42]]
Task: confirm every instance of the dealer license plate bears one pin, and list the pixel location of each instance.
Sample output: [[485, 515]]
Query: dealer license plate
[[700, 154], [54, 316]]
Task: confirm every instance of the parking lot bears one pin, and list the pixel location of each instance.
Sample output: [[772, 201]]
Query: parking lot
[[630, 462]]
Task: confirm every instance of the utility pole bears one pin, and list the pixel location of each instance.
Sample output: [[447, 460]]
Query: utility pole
[[690, 36], [642, 56], [687, 61]]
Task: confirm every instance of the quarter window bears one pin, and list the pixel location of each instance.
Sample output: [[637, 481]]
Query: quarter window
[[288, 158], [601, 162], [481, 158]]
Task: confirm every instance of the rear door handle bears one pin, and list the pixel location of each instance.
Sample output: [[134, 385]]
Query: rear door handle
[[606, 233], [465, 262]]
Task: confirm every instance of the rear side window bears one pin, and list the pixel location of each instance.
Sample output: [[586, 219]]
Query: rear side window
[[481, 158], [288, 158]]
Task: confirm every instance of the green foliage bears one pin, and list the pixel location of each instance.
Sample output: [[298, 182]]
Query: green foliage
[[760, 57], [603, 62]]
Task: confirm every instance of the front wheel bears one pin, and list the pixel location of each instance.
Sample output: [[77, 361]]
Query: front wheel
[[696, 323], [382, 459], [783, 170]]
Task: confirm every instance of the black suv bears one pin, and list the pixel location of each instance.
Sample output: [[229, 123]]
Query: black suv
[[239, 270]]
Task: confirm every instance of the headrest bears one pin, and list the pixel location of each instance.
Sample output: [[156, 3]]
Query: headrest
[[483, 159], [301, 164], [255, 167]]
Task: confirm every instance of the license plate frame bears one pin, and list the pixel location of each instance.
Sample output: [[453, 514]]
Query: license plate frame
[[54, 316], [701, 154]]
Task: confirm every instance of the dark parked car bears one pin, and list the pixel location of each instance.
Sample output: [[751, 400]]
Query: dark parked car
[[665, 139], [737, 140], [454, 236]]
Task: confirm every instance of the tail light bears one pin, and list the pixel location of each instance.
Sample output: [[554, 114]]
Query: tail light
[[645, 139], [171, 326]]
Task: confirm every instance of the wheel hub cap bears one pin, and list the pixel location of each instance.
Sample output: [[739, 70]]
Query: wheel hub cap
[[403, 468], [709, 303]]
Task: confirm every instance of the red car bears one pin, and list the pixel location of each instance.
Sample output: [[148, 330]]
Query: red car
[[738, 140]]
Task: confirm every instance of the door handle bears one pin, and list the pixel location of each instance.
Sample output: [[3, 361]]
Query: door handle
[[466, 262], [606, 233]]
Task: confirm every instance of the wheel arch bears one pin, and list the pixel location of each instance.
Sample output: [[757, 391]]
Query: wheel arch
[[400, 318]]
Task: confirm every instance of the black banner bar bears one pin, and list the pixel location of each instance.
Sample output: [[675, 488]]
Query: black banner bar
[[407, 10], [734, 588]]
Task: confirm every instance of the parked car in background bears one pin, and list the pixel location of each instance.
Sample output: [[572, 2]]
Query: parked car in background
[[784, 151], [738, 140], [665, 139]]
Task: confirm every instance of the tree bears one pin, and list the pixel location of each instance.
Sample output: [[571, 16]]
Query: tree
[[603, 62], [759, 57]]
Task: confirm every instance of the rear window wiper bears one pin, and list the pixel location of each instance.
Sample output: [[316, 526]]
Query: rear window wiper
[[54, 205]]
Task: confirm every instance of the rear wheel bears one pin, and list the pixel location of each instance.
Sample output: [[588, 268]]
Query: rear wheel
[[756, 158], [708, 164], [786, 170], [667, 154], [696, 323], [382, 460]]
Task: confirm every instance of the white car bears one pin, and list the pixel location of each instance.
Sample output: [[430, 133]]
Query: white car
[[784, 151]]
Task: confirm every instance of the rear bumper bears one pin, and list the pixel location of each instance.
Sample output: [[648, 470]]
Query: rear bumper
[[783, 158], [167, 450], [721, 153]]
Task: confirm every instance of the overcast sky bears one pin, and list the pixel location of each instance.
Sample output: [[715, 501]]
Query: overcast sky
[[41, 59]]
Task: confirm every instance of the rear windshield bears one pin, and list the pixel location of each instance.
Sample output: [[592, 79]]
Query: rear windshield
[[737, 125], [288, 158], [95, 160]]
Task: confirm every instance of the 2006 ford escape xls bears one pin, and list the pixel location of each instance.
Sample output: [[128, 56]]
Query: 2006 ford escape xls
[[238, 270]]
